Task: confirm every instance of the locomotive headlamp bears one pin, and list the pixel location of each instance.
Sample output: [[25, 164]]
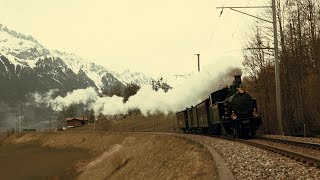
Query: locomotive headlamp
[[233, 116]]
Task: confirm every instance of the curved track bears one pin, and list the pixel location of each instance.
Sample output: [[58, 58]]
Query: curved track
[[294, 143], [308, 153], [281, 147]]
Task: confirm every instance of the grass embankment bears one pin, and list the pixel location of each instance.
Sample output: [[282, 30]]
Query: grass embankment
[[138, 122], [129, 155]]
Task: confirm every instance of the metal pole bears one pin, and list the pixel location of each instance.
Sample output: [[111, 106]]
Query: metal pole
[[277, 70], [174, 124], [276, 55], [198, 61], [94, 125], [21, 117], [16, 120], [50, 121]]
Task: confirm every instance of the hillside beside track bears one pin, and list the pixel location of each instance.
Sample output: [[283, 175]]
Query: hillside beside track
[[128, 155]]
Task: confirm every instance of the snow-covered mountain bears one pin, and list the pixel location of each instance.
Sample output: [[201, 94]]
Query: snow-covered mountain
[[128, 77], [97, 72], [20, 46], [23, 60]]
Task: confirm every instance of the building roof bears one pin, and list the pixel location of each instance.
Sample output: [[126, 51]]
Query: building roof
[[77, 118]]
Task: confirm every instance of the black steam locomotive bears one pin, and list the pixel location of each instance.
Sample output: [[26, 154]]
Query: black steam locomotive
[[229, 111]]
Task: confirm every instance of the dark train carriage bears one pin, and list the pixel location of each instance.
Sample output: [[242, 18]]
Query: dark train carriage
[[195, 125], [192, 119], [189, 117], [182, 120], [203, 115]]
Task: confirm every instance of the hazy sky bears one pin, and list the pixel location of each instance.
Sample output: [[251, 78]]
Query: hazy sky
[[152, 36]]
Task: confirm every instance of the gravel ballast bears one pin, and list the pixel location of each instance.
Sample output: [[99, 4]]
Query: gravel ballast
[[303, 150], [248, 162], [292, 138]]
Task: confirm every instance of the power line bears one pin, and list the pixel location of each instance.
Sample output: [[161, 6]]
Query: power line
[[242, 7]]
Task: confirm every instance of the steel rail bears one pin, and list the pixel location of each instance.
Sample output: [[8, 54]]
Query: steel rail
[[290, 142], [294, 155], [291, 154]]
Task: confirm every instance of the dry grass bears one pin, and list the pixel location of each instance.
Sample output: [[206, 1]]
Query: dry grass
[[130, 155], [138, 122], [4, 134]]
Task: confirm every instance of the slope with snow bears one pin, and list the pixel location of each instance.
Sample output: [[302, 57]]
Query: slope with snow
[[24, 51], [19, 45], [127, 77]]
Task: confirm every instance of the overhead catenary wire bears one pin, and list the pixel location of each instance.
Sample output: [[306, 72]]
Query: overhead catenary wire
[[216, 25], [227, 49], [215, 28]]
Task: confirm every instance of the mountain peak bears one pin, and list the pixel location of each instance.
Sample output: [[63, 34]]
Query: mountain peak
[[25, 51], [18, 35]]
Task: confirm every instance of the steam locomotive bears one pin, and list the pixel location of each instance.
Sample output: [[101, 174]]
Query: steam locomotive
[[229, 111]]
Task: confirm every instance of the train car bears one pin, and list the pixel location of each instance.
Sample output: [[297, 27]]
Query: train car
[[229, 111], [217, 109], [203, 115], [192, 120], [182, 120], [192, 115]]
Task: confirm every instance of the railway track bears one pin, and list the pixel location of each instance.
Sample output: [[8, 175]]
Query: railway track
[[294, 143], [308, 153]]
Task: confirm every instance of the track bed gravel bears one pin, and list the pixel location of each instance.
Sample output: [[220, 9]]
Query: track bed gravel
[[248, 162], [292, 138], [303, 150]]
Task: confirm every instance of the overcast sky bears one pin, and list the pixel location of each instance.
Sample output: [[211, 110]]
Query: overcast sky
[[151, 36]]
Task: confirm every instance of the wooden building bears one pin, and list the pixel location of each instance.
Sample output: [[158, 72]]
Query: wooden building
[[76, 122]]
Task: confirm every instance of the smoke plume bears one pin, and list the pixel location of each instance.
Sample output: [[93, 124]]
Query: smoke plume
[[191, 91], [79, 96]]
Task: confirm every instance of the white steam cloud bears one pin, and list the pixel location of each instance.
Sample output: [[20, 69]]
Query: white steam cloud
[[79, 96], [191, 91]]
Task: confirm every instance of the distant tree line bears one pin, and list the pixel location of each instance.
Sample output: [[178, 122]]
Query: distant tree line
[[129, 90], [160, 84], [299, 42]]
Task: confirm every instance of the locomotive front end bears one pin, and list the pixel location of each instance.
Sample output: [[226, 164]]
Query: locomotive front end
[[244, 113]]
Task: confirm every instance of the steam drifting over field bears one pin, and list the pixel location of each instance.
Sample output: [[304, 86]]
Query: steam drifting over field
[[191, 91]]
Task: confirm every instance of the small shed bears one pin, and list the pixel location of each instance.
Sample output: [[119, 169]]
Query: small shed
[[76, 122]]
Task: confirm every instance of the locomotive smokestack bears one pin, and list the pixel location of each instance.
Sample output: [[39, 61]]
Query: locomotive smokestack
[[237, 80]]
